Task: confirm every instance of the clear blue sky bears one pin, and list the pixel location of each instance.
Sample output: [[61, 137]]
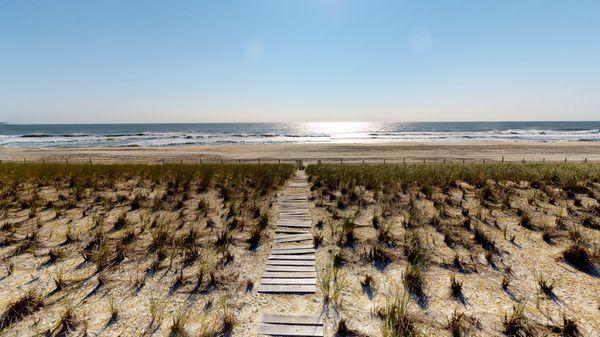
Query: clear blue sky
[[283, 60]]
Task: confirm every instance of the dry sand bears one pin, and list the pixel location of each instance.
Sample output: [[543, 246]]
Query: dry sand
[[471, 151]]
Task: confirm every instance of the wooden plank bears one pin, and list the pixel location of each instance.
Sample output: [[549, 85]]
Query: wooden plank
[[307, 281], [292, 275], [293, 247], [290, 330], [292, 230], [306, 227], [292, 319], [288, 236], [293, 215], [298, 221], [293, 219], [289, 268], [292, 236], [305, 257], [287, 288], [290, 263], [293, 251], [283, 236], [293, 239], [295, 224]]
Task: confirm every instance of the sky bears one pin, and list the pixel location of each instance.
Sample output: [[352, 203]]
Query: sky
[[313, 60]]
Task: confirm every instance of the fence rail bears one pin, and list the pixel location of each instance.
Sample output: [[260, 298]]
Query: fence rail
[[316, 160]]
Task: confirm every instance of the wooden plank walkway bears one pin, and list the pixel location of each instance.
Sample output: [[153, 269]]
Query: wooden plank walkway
[[290, 268], [298, 325]]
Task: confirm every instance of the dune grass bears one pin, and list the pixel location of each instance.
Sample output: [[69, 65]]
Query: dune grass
[[443, 175], [103, 235]]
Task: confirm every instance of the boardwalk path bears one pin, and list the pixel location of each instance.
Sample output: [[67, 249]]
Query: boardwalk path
[[290, 268]]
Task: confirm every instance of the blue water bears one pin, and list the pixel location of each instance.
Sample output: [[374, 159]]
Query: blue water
[[143, 135]]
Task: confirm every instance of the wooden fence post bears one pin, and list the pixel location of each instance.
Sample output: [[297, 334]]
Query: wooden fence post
[[503, 159]]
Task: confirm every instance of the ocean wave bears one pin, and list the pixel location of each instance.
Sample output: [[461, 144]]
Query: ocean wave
[[33, 138]]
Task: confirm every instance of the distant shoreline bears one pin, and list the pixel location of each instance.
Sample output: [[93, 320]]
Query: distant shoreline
[[405, 151]]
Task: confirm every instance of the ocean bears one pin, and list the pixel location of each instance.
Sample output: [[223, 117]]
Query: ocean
[[146, 135]]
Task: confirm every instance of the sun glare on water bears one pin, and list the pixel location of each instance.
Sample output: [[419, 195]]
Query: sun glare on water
[[335, 128]]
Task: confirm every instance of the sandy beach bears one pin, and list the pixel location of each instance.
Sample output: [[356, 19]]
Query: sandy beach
[[391, 152]]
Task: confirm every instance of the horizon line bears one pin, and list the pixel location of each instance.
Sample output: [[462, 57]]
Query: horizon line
[[303, 122]]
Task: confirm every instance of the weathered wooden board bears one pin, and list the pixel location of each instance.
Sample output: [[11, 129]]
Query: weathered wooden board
[[305, 257], [307, 281], [293, 215], [290, 330], [289, 268], [292, 319], [294, 211], [295, 224], [299, 237], [293, 247], [292, 275], [287, 288], [292, 230], [293, 251], [290, 263], [290, 236], [292, 219]]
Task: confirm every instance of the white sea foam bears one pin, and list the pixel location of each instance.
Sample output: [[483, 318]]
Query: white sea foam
[[262, 134]]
